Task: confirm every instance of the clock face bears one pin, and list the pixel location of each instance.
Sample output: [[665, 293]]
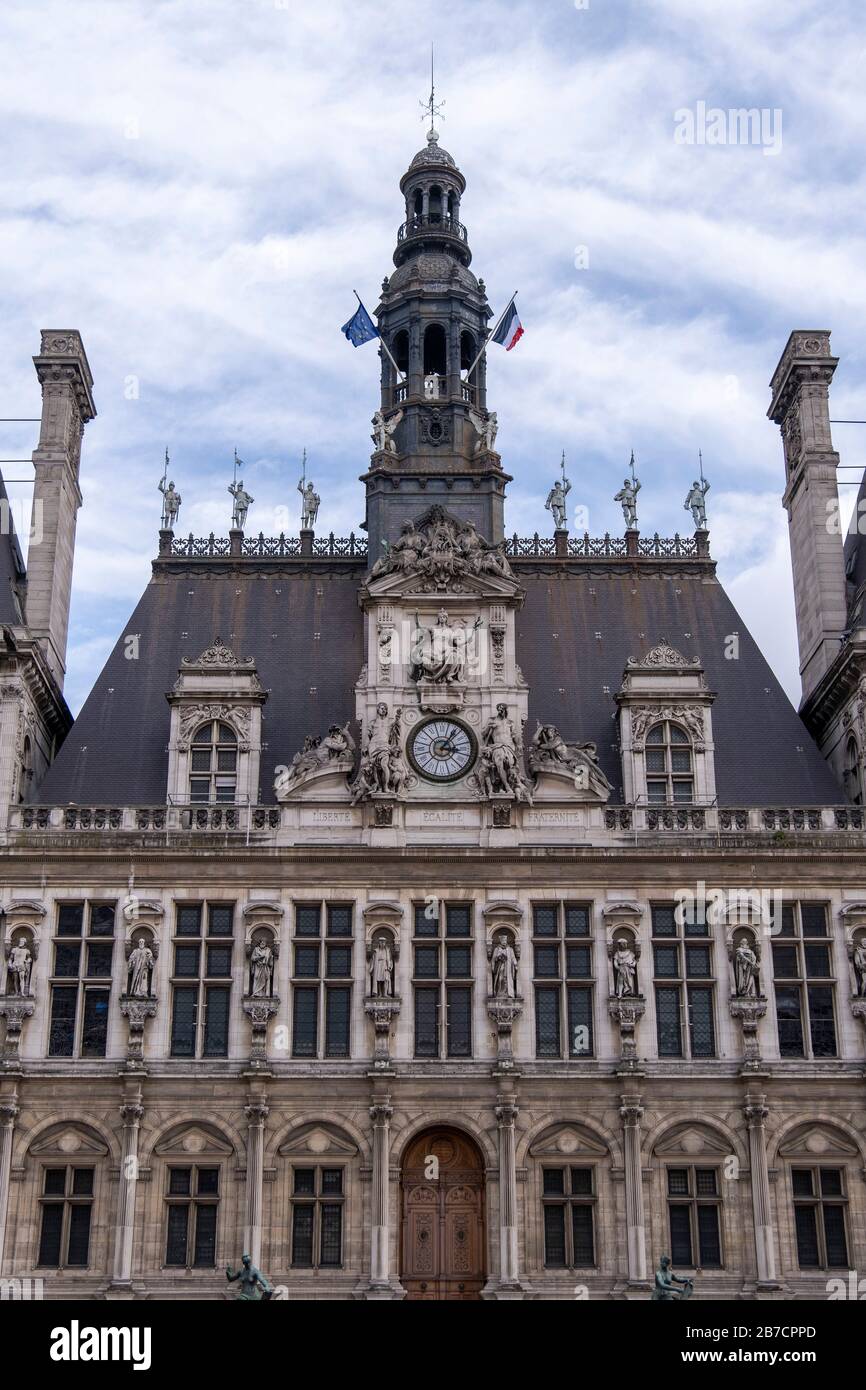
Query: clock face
[[442, 750]]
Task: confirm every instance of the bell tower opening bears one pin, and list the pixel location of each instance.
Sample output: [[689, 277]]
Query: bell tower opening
[[434, 350]]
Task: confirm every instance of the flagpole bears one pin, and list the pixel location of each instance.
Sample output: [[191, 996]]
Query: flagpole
[[490, 335], [387, 350]]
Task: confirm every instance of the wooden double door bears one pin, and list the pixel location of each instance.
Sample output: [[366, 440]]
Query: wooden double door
[[443, 1217]]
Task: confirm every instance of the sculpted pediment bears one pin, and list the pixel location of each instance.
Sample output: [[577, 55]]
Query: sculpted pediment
[[438, 553], [418, 588], [693, 1142], [319, 1141], [193, 1139], [816, 1141], [565, 1140], [69, 1141]]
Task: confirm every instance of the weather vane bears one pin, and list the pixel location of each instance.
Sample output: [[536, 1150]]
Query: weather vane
[[430, 107]]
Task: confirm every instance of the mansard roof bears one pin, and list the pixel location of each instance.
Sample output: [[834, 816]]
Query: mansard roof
[[302, 623]]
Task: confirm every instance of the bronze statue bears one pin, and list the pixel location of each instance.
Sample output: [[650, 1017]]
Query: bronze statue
[[664, 1291], [251, 1281]]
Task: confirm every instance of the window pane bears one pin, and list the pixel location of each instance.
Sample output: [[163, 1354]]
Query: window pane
[[655, 760], [426, 923], [789, 1021], [578, 961], [817, 960], [302, 1236], [426, 1020], [204, 1256], [66, 958], [207, 1182], [681, 1235], [225, 734], [189, 920], [656, 734], [94, 1034], [459, 1001], [49, 1239], [834, 1236], [582, 1235], [337, 1014], [200, 760], [703, 1035], [554, 1237], [788, 927], [216, 1021], [577, 919], [545, 920], [339, 919], [814, 919], [664, 922], [458, 960], [199, 789], [70, 919], [821, 1023], [339, 960], [458, 919], [304, 1022], [224, 791], [307, 961], [99, 959], [55, 1182], [426, 962], [657, 793], [831, 1182], [305, 1181], [580, 1020], [709, 1244], [681, 760], [331, 1242], [678, 1182], [183, 1022], [179, 1181], [802, 1182], [220, 919], [204, 734], [175, 1242], [581, 1182], [102, 919], [785, 963], [547, 1022], [332, 1181], [547, 960], [307, 919], [683, 790], [807, 1237], [668, 1028], [219, 960], [554, 1182], [706, 1182], [186, 960], [79, 1234], [226, 760], [698, 961], [667, 961], [82, 1182], [61, 1036]]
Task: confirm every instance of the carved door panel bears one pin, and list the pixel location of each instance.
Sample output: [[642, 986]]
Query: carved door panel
[[443, 1219]]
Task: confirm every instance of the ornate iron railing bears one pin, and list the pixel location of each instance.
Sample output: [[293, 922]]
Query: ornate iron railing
[[198, 547], [439, 224], [269, 547]]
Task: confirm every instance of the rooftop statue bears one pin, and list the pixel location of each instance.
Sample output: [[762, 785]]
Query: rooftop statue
[[335, 753], [310, 501], [242, 503], [627, 496], [549, 752], [486, 427], [383, 432], [696, 503]]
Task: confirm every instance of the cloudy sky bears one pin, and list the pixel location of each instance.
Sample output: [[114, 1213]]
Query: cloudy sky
[[198, 186]]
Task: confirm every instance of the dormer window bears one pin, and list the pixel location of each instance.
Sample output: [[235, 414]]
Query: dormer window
[[213, 763], [669, 764]]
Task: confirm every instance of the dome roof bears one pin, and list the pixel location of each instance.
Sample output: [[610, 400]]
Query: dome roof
[[433, 155]]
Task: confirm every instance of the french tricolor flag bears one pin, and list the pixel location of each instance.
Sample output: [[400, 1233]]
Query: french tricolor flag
[[510, 330]]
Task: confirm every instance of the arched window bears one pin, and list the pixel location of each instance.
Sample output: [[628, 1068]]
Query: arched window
[[669, 764], [435, 204], [434, 350], [213, 765], [418, 203], [853, 782], [400, 349]]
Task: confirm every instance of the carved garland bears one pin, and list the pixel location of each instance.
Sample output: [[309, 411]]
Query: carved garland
[[194, 715], [643, 716]]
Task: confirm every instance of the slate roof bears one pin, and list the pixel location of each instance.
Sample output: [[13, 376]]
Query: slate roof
[[12, 571], [116, 752]]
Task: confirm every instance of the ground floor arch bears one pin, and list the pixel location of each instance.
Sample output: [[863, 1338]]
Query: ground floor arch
[[442, 1237]]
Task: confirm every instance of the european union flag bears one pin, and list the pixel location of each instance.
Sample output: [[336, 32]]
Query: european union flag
[[360, 328]]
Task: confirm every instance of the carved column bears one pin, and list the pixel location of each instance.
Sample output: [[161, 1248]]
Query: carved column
[[631, 1111], [755, 1112], [8, 1115], [380, 1113], [257, 1112], [506, 1114], [131, 1112]]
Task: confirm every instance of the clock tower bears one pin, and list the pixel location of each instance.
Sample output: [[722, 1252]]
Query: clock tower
[[434, 435]]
